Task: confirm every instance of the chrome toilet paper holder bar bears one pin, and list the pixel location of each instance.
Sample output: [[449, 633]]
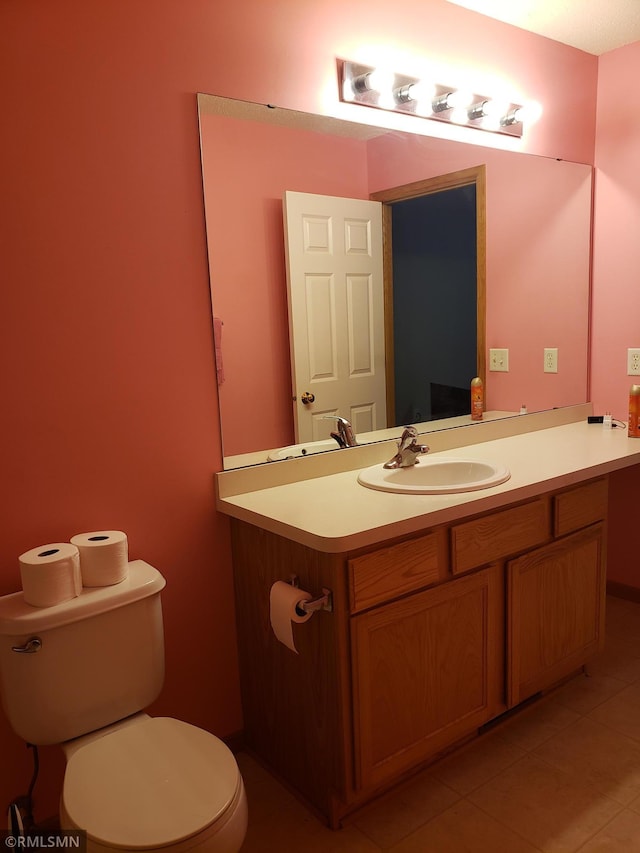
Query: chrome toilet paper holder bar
[[321, 602]]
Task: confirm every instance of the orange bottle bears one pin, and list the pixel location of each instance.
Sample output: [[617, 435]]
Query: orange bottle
[[477, 399], [634, 411]]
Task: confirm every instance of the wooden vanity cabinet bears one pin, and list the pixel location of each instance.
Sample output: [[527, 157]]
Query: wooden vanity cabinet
[[556, 596], [296, 706], [427, 670], [430, 637]]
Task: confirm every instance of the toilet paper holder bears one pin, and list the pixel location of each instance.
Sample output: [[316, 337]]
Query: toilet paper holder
[[321, 602]]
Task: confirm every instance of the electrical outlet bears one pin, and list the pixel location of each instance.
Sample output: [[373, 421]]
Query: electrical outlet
[[551, 360], [633, 362], [499, 360]]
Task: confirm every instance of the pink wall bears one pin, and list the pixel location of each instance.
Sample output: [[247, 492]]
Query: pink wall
[[616, 294], [109, 392], [616, 259]]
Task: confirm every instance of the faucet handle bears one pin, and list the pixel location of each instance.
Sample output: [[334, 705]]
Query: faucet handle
[[344, 434], [409, 434], [408, 450]]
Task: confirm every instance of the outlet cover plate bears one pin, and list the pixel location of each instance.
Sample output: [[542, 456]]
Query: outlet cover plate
[[499, 360], [633, 362], [550, 359]]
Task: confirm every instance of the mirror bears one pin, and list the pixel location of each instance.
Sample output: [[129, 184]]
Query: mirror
[[538, 226]]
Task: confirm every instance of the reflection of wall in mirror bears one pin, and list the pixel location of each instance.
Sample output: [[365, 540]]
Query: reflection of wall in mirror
[[247, 168], [537, 289], [245, 175]]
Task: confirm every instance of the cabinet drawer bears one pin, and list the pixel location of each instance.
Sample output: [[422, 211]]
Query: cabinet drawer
[[498, 535], [580, 507], [394, 571]]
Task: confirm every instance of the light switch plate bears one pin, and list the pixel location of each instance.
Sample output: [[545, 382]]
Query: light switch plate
[[499, 360]]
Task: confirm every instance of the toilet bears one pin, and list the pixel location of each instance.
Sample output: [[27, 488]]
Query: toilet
[[80, 674]]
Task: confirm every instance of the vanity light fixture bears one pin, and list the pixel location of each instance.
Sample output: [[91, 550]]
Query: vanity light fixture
[[374, 87]]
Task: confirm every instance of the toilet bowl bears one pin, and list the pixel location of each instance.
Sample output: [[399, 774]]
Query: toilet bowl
[[80, 674], [152, 784]]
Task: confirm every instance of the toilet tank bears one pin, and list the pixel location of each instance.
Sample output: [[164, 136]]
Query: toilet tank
[[101, 658]]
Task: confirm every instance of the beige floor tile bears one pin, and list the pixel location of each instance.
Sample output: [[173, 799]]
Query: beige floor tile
[[279, 822], [464, 828], [476, 763], [622, 835], [534, 725], [265, 795], [296, 830], [549, 808], [399, 813], [619, 659], [585, 692], [598, 755], [622, 619], [621, 712]]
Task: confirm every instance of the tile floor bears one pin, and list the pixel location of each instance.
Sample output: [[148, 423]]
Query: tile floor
[[561, 776]]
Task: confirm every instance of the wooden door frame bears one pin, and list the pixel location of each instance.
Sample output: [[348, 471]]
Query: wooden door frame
[[465, 177]]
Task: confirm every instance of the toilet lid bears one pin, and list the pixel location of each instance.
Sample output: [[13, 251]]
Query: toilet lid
[[150, 784]]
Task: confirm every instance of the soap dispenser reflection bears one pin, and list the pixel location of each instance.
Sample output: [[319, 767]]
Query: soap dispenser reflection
[[477, 399], [634, 411]]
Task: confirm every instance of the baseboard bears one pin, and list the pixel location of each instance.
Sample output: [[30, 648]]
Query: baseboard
[[235, 741], [623, 590]]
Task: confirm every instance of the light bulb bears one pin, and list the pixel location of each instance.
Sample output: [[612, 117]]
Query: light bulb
[[451, 101], [421, 91], [414, 93], [493, 109], [459, 115], [492, 112], [376, 80], [459, 99], [529, 112], [380, 80]]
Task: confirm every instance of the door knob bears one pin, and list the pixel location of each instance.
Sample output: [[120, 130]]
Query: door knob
[[307, 397]]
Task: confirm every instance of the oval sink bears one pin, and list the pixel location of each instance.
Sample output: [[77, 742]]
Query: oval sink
[[435, 477], [294, 451]]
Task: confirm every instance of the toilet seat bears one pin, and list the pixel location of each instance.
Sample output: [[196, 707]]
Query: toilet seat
[[150, 785]]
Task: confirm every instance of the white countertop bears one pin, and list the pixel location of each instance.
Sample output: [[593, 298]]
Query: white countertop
[[335, 513]]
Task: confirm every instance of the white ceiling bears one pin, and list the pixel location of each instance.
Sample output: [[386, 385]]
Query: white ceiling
[[595, 26]]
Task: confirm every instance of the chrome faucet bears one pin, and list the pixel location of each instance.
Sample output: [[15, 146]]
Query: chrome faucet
[[408, 450], [344, 431]]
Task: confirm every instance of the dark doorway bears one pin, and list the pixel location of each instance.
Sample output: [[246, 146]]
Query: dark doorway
[[435, 246], [434, 304]]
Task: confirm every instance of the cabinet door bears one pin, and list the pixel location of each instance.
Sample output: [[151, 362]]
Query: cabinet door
[[555, 611], [428, 669]]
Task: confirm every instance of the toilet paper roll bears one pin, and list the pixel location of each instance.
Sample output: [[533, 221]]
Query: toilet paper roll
[[283, 600], [50, 574], [104, 557]]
